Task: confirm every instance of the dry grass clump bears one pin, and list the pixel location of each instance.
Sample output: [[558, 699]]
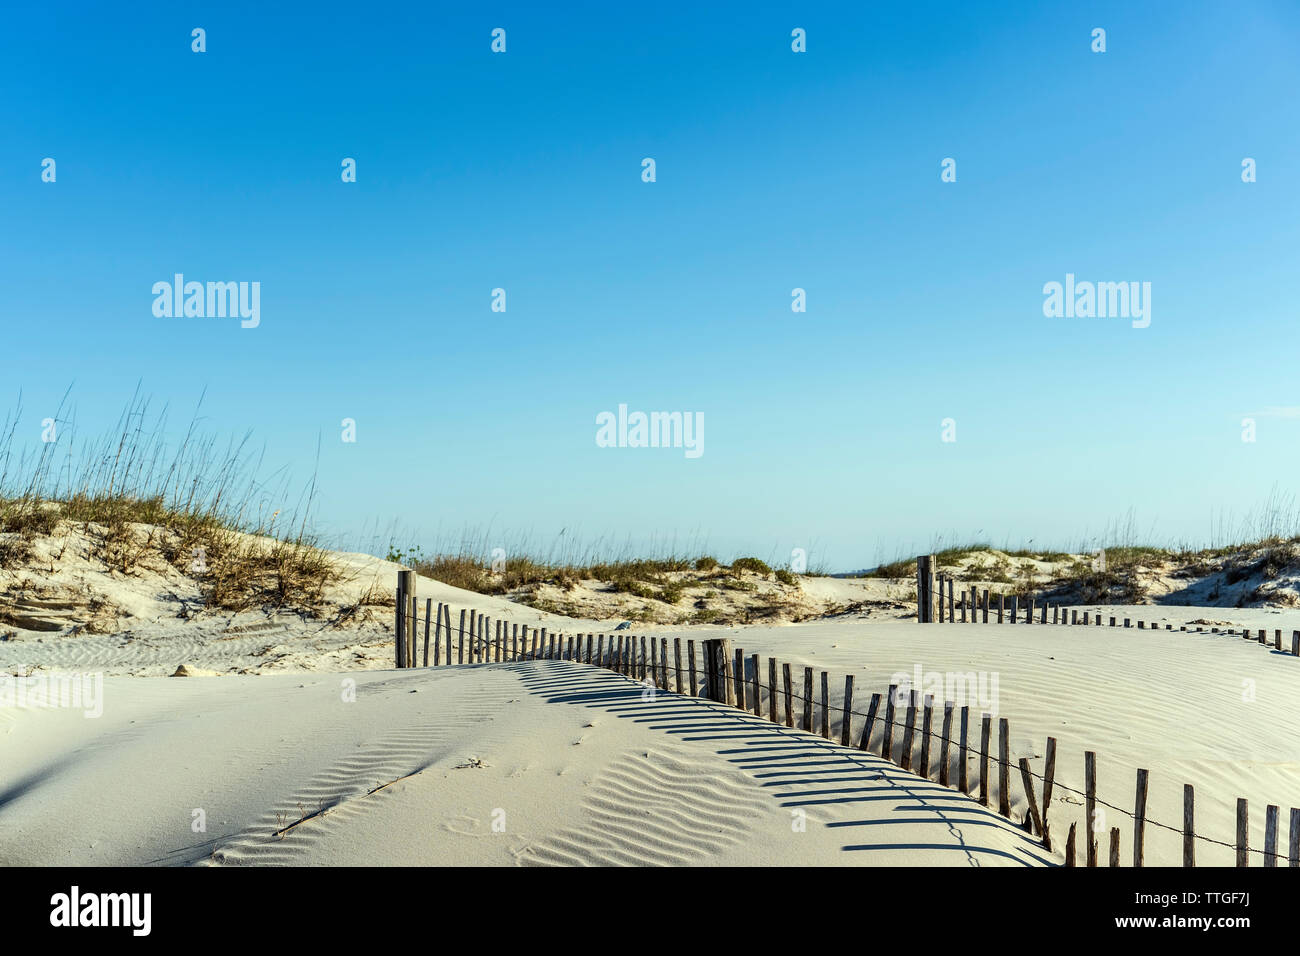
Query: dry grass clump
[[657, 586], [15, 550], [251, 572], [1086, 581], [1276, 557], [471, 573], [201, 507], [894, 570]]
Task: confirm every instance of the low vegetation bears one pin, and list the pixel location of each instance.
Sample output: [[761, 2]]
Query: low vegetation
[[671, 589], [202, 508]]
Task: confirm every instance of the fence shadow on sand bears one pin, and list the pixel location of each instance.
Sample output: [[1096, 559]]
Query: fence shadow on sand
[[801, 772]]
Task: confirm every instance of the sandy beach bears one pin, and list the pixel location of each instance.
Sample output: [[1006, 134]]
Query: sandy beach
[[538, 763], [295, 740]]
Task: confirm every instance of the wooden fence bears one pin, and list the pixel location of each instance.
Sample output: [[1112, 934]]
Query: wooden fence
[[938, 603], [723, 677]]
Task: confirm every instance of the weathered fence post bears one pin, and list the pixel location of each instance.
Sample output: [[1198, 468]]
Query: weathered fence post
[[399, 626], [1090, 804], [1049, 778], [887, 745], [717, 652], [437, 637], [1293, 839], [1270, 835], [1189, 826], [963, 775], [771, 691], [986, 726], [845, 727], [1140, 819], [826, 706], [738, 697], [874, 708], [446, 610], [1243, 832], [1027, 781], [410, 619], [428, 623], [909, 731], [924, 585], [1004, 768], [406, 626], [945, 743], [926, 724], [808, 699]]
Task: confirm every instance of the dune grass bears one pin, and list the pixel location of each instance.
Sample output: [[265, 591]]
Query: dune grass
[[202, 505], [1116, 566], [674, 587]]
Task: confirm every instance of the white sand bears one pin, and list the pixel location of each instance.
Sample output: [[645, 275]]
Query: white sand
[[159, 624], [670, 781], [1214, 711], [577, 764]]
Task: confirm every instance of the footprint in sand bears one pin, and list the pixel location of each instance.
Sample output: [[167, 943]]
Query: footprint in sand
[[465, 826]]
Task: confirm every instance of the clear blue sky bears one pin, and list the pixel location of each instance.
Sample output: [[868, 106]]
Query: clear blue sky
[[775, 170]]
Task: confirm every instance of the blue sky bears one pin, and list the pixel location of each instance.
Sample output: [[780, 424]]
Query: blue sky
[[775, 170]]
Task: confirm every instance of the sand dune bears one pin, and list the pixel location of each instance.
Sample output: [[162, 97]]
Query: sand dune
[[576, 764], [573, 764], [1210, 710]]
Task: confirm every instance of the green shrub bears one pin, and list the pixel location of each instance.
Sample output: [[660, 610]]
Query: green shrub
[[895, 570], [736, 584], [671, 592]]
